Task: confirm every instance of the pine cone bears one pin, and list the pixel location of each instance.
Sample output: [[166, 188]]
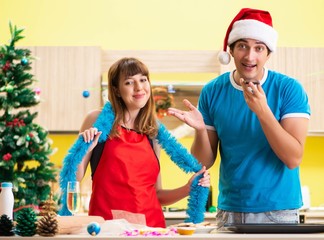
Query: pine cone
[[48, 206], [26, 222], [47, 226], [6, 226]]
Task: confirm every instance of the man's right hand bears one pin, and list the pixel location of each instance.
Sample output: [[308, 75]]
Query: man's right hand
[[192, 117]]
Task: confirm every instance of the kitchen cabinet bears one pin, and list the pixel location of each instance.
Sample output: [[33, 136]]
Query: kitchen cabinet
[[306, 65], [62, 74]]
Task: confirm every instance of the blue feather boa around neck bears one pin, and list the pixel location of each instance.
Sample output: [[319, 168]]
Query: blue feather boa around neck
[[178, 154]]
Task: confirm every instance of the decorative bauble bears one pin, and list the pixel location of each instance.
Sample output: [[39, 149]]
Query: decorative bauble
[[37, 98], [212, 209], [86, 94], [24, 61], [93, 228], [6, 67], [7, 157], [37, 90]]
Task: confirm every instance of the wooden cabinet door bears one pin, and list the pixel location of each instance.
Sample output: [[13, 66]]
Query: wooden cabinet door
[[306, 65], [63, 73]]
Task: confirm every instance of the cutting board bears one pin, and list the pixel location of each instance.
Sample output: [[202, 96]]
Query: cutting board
[[75, 224]]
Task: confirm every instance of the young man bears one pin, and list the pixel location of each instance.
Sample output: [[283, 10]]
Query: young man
[[258, 120]]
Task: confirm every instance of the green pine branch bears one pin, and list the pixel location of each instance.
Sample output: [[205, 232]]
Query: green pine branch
[[15, 35]]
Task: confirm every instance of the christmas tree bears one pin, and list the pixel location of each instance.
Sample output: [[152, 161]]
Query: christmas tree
[[24, 145]]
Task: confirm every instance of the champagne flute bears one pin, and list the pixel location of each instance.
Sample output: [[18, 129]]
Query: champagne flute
[[73, 196]]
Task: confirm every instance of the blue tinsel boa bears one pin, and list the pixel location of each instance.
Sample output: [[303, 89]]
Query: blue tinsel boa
[[178, 154]]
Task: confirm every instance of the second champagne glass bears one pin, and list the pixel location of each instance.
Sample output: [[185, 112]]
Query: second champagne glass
[[73, 196]]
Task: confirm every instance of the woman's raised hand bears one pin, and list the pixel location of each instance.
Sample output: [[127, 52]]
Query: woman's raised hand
[[91, 134]]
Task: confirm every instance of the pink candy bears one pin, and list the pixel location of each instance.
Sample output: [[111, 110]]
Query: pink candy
[[148, 232]]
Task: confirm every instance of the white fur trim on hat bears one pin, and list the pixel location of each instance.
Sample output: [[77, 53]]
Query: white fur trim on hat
[[224, 57], [254, 29]]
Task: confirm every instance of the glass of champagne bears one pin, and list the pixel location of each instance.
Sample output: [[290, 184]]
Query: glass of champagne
[[73, 196]]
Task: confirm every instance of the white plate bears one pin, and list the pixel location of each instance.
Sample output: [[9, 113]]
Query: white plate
[[205, 229]]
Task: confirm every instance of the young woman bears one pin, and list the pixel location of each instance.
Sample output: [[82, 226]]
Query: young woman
[[126, 171]]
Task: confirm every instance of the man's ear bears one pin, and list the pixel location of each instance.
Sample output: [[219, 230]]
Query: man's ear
[[231, 52]]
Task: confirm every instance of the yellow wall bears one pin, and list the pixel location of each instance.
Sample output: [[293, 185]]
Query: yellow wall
[[154, 24], [164, 24]]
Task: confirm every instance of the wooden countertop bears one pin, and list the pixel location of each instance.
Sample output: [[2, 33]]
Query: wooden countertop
[[182, 215], [313, 215], [313, 212], [218, 236]]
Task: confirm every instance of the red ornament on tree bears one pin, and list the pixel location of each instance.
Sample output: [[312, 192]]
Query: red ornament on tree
[[37, 91], [7, 157], [16, 122], [6, 66]]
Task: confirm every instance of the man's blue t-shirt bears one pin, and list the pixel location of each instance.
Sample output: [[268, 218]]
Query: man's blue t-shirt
[[252, 177]]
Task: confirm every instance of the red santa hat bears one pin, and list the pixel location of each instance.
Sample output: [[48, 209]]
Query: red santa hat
[[249, 23]]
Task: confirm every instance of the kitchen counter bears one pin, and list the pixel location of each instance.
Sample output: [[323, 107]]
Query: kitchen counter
[[182, 215], [218, 236], [312, 215], [172, 218]]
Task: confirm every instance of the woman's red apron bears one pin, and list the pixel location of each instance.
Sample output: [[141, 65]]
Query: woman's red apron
[[125, 179]]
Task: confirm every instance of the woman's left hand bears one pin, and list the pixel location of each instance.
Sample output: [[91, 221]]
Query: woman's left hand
[[204, 181]]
